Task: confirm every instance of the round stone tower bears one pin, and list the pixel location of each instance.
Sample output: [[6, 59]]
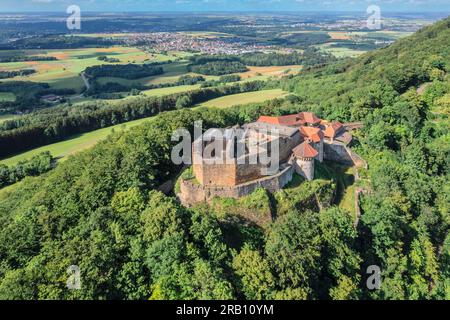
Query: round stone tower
[[304, 155], [305, 167]]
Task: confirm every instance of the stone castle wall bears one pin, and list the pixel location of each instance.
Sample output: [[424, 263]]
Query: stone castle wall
[[191, 192], [340, 153], [227, 175], [247, 172], [286, 146], [237, 180], [337, 152], [217, 174], [232, 174], [305, 168]]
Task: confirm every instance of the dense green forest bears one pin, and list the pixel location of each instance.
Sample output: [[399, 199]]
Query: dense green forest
[[20, 57], [27, 95], [218, 68], [108, 59], [58, 42], [101, 91], [12, 74], [100, 209], [309, 57], [223, 79], [303, 40], [35, 166], [126, 71], [219, 65]]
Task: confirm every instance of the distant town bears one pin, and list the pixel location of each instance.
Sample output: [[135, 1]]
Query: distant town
[[205, 44]]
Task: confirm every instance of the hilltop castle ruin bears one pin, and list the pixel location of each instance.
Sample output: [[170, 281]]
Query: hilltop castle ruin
[[301, 139]]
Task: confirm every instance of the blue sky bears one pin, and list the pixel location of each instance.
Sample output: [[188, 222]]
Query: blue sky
[[225, 5]]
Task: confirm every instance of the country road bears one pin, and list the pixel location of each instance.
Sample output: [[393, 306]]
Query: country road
[[87, 85], [85, 80]]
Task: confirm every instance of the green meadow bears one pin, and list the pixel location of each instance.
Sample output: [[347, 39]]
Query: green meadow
[[7, 96], [170, 90], [74, 144], [245, 98], [5, 117], [341, 52]]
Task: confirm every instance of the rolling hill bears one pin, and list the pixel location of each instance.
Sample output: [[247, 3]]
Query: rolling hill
[[100, 210]]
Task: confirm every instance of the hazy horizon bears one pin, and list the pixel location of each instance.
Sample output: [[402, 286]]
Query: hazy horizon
[[225, 6], [440, 12]]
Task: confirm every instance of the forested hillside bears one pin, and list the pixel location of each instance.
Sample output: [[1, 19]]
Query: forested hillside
[[99, 209], [352, 89], [402, 93]]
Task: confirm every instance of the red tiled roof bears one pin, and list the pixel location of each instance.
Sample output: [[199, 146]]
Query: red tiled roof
[[267, 119], [333, 129], [290, 120], [309, 118], [293, 120], [314, 134], [305, 151]]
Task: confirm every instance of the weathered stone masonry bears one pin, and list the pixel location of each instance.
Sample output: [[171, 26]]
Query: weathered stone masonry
[[191, 192], [303, 139]]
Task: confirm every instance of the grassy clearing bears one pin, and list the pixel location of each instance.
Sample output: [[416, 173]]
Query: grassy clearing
[[352, 35], [389, 34], [7, 96], [245, 98], [340, 52], [259, 73], [75, 144], [348, 200], [355, 37], [169, 90], [345, 180], [339, 35], [163, 79], [6, 117]]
